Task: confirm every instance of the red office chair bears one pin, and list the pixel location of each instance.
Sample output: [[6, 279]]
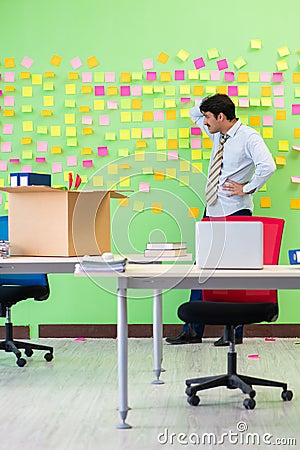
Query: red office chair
[[237, 307]]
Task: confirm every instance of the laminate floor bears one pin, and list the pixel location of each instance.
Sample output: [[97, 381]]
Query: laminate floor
[[70, 403]]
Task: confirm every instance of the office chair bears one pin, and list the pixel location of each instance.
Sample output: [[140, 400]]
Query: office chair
[[13, 289], [237, 307]]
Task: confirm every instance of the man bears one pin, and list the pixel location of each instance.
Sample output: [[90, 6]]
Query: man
[[240, 165]]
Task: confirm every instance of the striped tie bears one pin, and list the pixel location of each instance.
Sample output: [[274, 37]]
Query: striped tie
[[214, 173]]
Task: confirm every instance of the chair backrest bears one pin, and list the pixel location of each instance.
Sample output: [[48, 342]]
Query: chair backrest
[[272, 235], [38, 279]]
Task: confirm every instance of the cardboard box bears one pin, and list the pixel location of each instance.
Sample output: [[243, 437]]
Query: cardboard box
[[45, 221]]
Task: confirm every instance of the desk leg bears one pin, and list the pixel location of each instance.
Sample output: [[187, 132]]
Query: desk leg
[[157, 334], [123, 357]]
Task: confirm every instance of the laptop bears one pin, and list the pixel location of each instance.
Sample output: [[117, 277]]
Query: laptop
[[229, 245]]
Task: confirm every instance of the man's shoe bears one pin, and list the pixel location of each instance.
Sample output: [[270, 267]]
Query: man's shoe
[[185, 337], [221, 343]]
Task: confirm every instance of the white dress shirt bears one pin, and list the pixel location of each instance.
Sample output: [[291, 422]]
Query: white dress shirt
[[246, 159]]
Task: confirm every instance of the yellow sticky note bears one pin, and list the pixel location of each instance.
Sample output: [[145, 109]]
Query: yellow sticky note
[[193, 212], [158, 103], [9, 63], [196, 154], [92, 62], [110, 136], [170, 103], [243, 91], [125, 116], [69, 119], [280, 160], [171, 172], [254, 101], [136, 133], [70, 89], [184, 166], [282, 65], [255, 43], [183, 55], [161, 156], [185, 89], [267, 133], [266, 101], [98, 105], [283, 145], [239, 62], [124, 181], [211, 90], [193, 74], [27, 154], [184, 180], [55, 130], [27, 125], [295, 203], [42, 129], [55, 60], [36, 78], [163, 58], [112, 169], [137, 116], [184, 112], [26, 91], [265, 202], [148, 90], [283, 51], [161, 144], [138, 206], [254, 77], [137, 76], [48, 100], [98, 180], [213, 53], [124, 135], [123, 152], [56, 149], [71, 131], [197, 167], [26, 140], [139, 155]]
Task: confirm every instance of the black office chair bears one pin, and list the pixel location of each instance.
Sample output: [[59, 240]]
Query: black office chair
[[13, 289], [232, 308]]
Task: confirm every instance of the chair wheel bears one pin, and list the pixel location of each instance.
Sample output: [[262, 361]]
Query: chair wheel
[[287, 395], [28, 352], [193, 400], [249, 403], [48, 356], [21, 362]]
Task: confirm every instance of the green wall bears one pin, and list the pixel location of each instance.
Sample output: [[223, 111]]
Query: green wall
[[121, 35]]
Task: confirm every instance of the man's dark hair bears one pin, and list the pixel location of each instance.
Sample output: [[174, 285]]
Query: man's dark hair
[[219, 103]]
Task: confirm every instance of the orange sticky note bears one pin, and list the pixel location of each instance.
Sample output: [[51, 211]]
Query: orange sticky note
[[46, 112], [56, 149], [296, 77], [24, 75], [165, 76], [73, 76], [124, 201], [86, 151], [193, 212], [243, 77], [280, 160], [9, 63], [163, 57], [198, 90], [86, 89], [9, 113], [266, 91], [280, 114], [148, 116], [171, 114], [136, 103], [156, 208], [92, 62], [84, 108], [55, 60], [265, 202], [159, 175], [172, 144], [112, 90], [295, 203], [254, 121], [49, 75], [296, 132], [26, 140], [141, 143], [9, 88], [87, 130], [125, 77]]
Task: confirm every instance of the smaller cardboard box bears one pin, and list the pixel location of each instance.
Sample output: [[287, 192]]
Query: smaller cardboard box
[[45, 221]]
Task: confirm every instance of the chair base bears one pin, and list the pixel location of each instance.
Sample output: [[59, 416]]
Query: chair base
[[232, 380]]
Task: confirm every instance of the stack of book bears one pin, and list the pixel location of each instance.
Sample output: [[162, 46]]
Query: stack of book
[[165, 249], [100, 264]]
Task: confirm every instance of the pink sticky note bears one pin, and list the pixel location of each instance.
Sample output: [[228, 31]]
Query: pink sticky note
[[296, 108], [148, 64], [214, 75], [112, 104], [228, 76], [71, 161], [144, 187], [253, 356], [265, 77], [5, 147], [125, 91], [199, 63], [179, 75], [232, 91], [277, 77], [271, 339], [56, 167], [7, 128], [244, 102], [278, 90], [80, 339], [9, 100], [147, 133], [87, 120], [185, 100], [222, 64], [267, 121], [3, 166], [102, 151], [76, 63], [196, 143], [40, 160], [104, 120], [87, 163], [99, 90], [9, 77], [42, 146], [26, 169], [27, 62], [136, 91], [159, 114], [15, 160], [151, 76], [86, 77], [110, 77], [195, 131], [173, 154], [278, 102]]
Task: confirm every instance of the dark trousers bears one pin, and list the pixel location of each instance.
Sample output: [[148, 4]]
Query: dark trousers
[[197, 294]]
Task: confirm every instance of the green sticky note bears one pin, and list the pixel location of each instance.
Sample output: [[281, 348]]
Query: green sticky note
[[254, 101], [239, 62], [125, 103], [204, 75], [26, 108], [212, 53], [158, 132], [110, 136], [99, 77], [172, 133], [170, 90], [158, 89], [138, 206], [137, 116], [137, 76], [48, 86], [72, 142], [206, 154], [184, 143], [70, 103], [42, 129], [158, 103], [254, 77]]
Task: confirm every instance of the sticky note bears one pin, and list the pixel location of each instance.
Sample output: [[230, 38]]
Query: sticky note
[[27, 125], [26, 154], [138, 206], [193, 212], [282, 65], [222, 64], [165, 76], [183, 55], [255, 43], [283, 145], [283, 51], [163, 58], [76, 63], [295, 203], [212, 53], [239, 62], [193, 75], [295, 179], [42, 146], [55, 130], [265, 202], [56, 149], [102, 151], [42, 129], [199, 63], [6, 147], [228, 76], [99, 105], [92, 62], [280, 160], [144, 187], [9, 63], [57, 167], [110, 136], [27, 62], [55, 60], [296, 109], [110, 77], [277, 77]]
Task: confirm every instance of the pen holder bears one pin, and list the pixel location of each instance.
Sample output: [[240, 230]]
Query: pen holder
[[4, 249], [294, 256]]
